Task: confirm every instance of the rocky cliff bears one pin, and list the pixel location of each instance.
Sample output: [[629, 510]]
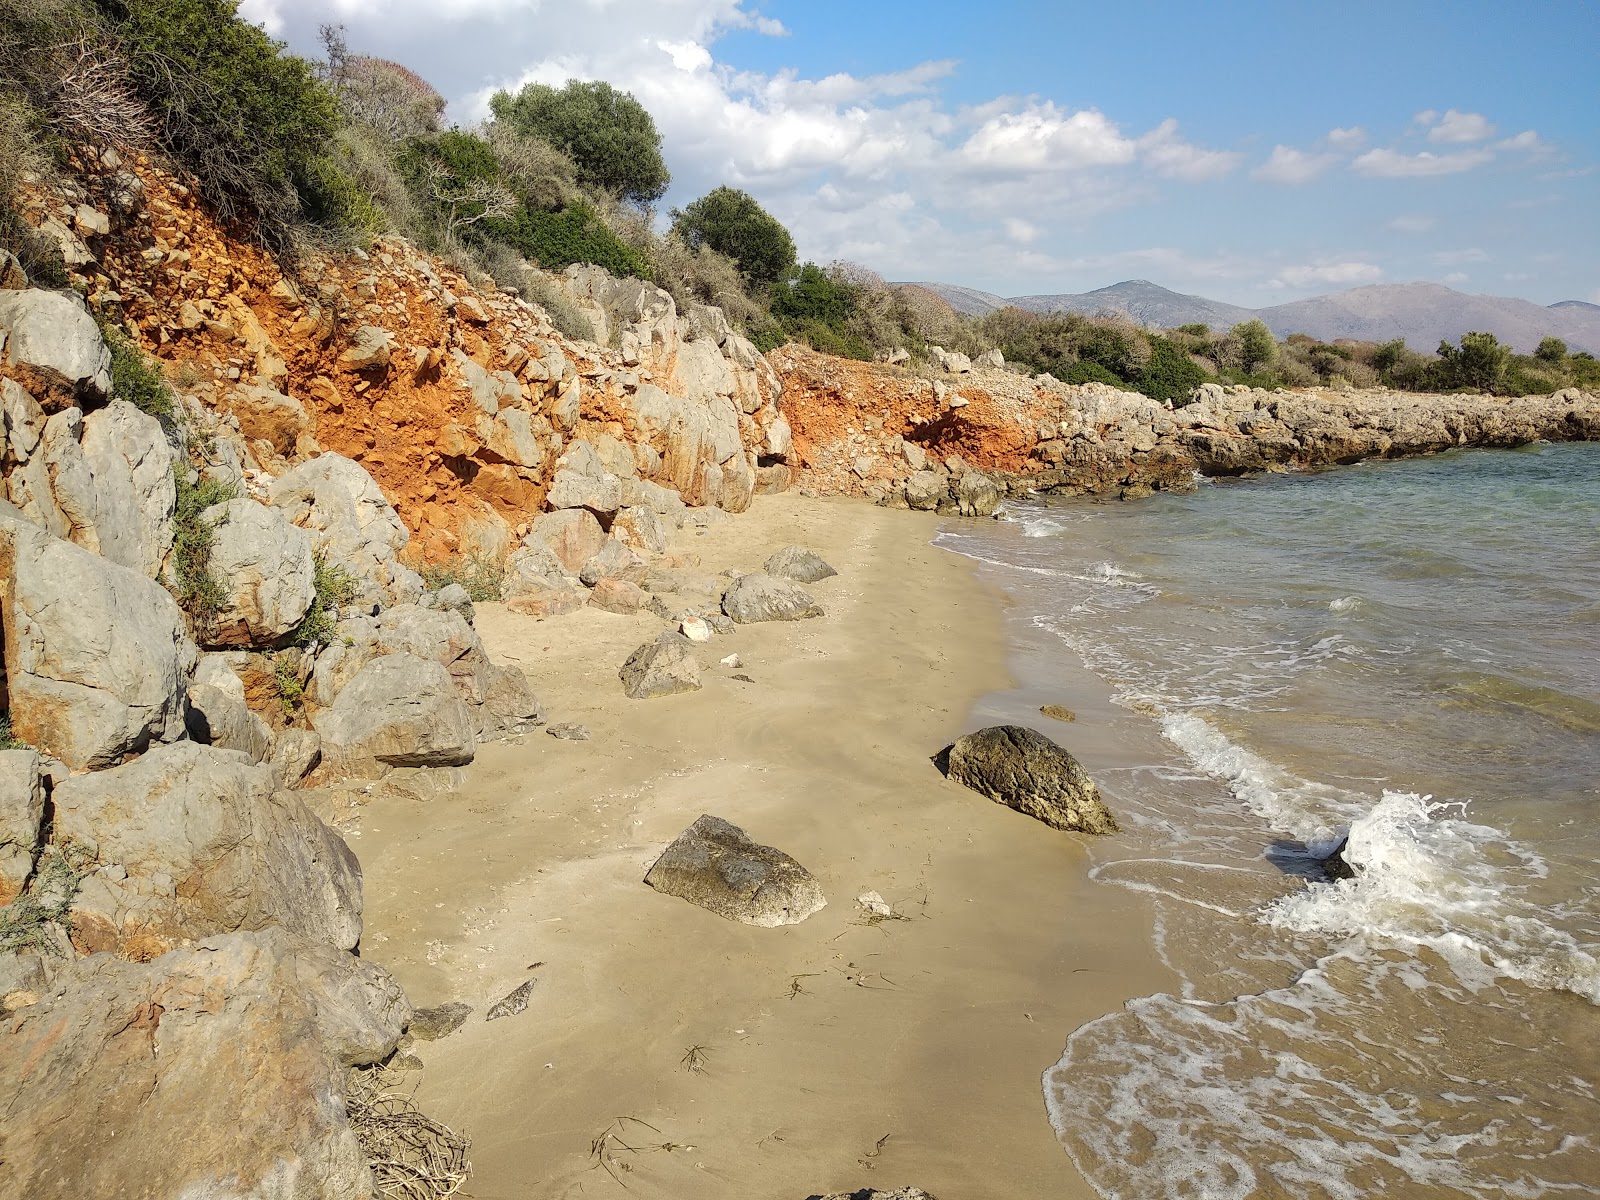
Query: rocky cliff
[[898, 437]]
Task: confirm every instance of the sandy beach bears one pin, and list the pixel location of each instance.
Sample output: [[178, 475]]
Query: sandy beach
[[832, 1055]]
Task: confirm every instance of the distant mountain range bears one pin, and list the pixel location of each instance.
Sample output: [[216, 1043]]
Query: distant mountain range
[[1422, 313]]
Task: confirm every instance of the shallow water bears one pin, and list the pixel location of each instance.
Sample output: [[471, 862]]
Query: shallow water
[[1407, 653]]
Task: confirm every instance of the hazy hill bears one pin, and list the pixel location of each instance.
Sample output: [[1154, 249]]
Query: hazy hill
[[1422, 313]]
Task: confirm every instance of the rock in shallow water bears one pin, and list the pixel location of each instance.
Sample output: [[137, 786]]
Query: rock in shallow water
[[716, 865], [1024, 770]]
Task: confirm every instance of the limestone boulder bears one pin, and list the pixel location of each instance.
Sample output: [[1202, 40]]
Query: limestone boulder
[[370, 349], [399, 711], [582, 481], [131, 460], [660, 669], [349, 522], [924, 490], [977, 495], [97, 657], [190, 841], [799, 564], [537, 583], [265, 568], [221, 719], [760, 597], [266, 414], [1024, 770], [295, 754], [52, 342], [616, 560], [510, 705], [573, 535], [118, 1076], [21, 811], [718, 866], [619, 596], [441, 635], [642, 528]]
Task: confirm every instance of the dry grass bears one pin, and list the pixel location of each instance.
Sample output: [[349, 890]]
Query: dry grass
[[412, 1156]]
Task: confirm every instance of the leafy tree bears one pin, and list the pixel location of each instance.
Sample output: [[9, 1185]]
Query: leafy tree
[[812, 296], [607, 133], [1551, 350], [1196, 329], [732, 223], [1170, 374], [1479, 362], [1254, 346]]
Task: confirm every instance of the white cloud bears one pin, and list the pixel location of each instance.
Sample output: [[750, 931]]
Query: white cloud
[[1461, 128], [1340, 274], [1020, 231], [1426, 117], [1455, 258], [1287, 165], [1392, 164], [1169, 155], [1045, 137], [1412, 223], [1347, 139], [266, 13]]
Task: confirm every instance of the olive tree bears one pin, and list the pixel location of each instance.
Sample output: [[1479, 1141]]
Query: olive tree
[[1253, 346], [732, 223], [608, 134]]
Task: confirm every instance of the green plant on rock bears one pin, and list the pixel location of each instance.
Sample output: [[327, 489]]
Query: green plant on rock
[[25, 922], [286, 681], [333, 586], [133, 378], [199, 592], [481, 576], [8, 740], [1170, 374]]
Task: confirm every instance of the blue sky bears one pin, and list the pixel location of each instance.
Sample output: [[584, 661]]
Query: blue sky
[[1250, 152]]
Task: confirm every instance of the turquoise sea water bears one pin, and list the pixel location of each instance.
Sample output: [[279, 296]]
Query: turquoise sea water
[[1407, 653]]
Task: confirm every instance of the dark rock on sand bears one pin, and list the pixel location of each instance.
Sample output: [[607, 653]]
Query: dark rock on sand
[[431, 1024], [569, 732], [759, 597], [715, 864], [512, 1004], [909, 1193], [662, 668], [796, 562], [1025, 770]]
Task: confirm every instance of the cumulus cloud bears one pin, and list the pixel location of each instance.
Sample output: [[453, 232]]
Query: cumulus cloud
[[1347, 139], [266, 13], [1461, 128], [1287, 165], [1393, 164], [1046, 137], [1168, 154], [1339, 274]]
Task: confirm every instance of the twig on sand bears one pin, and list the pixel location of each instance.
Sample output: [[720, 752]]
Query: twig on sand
[[694, 1059], [604, 1147], [866, 1159], [412, 1156], [795, 988]]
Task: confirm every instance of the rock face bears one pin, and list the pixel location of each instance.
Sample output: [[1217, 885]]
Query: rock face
[[800, 564], [339, 505], [97, 660], [759, 597], [110, 1076], [660, 669], [264, 565], [21, 811], [190, 841], [401, 711], [715, 864], [50, 336], [1024, 770], [128, 454]]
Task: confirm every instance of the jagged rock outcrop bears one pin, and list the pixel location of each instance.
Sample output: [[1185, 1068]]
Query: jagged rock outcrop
[[22, 796], [187, 841], [902, 439], [49, 342], [215, 1071], [349, 522], [660, 669], [399, 711], [97, 657]]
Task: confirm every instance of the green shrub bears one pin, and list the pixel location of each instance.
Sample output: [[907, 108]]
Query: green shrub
[[333, 586], [1584, 369], [575, 235], [1479, 362], [733, 224], [482, 577], [8, 741], [247, 119], [1254, 347], [1086, 372], [1170, 374], [1551, 350], [133, 378], [199, 593], [286, 682], [608, 134]]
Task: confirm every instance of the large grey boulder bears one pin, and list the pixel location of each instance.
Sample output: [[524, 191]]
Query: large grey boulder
[[616, 560], [642, 528], [350, 523], [216, 1071], [97, 659], [924, 490], [537, 582], [21, 811], [574, 535], [660, 669], [443, 636], [977, 495], [131, 460], [400, 711], [50, 336], [219, 718], [715, 864], [265, 568], [1024, 770], [190, 841], [798, 563], [759, 597], [582, 481]]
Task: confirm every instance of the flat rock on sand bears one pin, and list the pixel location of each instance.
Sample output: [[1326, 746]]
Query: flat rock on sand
[[1025, 770], [662, 668], [909, 1193], [715, 864], [759, 597], [796, 562]]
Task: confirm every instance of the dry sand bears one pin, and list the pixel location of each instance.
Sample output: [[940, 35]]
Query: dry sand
[[835, 1054]]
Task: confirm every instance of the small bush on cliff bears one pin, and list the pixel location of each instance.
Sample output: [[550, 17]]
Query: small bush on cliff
[[133, 378], [482, 577], [1479, 362], [730, 222], [608, 134], [575, 235], [1170, 374], [199, 593], [333, 587]]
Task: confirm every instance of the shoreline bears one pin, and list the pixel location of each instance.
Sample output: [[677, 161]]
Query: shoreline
[[818, 1040]]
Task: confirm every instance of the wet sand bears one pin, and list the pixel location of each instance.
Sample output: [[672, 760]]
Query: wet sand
[[832, 1055]]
